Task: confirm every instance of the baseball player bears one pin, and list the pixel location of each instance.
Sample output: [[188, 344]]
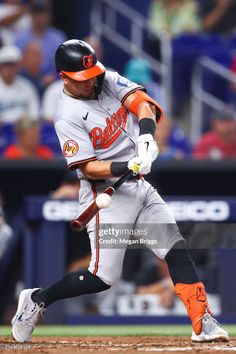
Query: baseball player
[[105, 124]]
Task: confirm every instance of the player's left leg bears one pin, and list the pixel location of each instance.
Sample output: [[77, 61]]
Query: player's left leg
[[33, 302], [104, 269], [171, 246]]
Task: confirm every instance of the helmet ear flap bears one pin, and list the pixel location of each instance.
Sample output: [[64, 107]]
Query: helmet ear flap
[[99, 83]]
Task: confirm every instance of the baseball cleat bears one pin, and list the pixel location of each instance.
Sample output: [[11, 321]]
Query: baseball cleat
[[211, 331], [26, 316], [195, 300]]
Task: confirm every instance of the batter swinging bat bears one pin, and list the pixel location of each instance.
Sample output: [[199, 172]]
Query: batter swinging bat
[[81, 220]]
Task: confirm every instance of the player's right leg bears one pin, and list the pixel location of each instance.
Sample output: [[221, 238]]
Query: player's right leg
[[205, 327], [188, 287], [192, 293]]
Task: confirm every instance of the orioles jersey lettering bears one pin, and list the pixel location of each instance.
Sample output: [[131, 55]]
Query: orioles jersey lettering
[[104, 138]]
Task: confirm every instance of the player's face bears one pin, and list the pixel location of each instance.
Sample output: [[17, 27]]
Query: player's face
[[83, 89]]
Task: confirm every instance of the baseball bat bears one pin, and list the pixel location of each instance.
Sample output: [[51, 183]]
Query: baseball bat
[[81, 220]]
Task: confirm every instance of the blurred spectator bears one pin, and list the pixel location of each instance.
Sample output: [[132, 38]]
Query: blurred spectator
[[18, 96], [173, 17], [31, 67], [220, 142], [96, 44], [138, 70], [218, 16], [49, 100], [7, 136], [233, 85], [164, 288], [42, 32], [14, 17], [69, 187], [28, 142], [234, 69], [142, 274], [48, 107], [172, 141], [149, 275]]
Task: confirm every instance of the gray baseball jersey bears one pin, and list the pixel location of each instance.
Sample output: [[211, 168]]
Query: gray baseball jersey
[[102, 129], [99, 129]]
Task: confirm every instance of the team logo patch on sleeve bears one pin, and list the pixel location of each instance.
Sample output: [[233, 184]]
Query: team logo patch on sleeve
[[70, 148], [122, 81]]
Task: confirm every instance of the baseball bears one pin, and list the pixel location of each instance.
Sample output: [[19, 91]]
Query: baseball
[[103, 201]]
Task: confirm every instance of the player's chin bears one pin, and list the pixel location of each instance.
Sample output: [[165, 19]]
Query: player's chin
[[88, 94]]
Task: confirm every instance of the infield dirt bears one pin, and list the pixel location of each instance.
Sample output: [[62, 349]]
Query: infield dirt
[[108, 345]]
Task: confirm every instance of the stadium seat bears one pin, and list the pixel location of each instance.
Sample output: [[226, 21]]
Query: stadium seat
[[214, 83], [231, 43], [49, 137], [7, 136], [187, 48]]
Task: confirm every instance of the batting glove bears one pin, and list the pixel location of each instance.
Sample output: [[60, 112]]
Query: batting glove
[[139, 166], [134, 165], [147, 147]]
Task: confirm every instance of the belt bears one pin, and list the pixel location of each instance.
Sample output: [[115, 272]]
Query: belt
[[135, 178], [102, 181]]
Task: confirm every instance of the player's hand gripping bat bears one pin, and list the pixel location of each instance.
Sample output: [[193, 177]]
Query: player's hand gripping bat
[[81, 220]]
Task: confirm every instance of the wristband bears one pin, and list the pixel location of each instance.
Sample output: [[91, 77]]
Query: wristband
[[119, 168], [147, 126]]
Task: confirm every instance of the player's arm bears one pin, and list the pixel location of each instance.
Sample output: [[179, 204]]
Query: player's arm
[[144, 108], [97, 169], [109, 169], [148, 113]]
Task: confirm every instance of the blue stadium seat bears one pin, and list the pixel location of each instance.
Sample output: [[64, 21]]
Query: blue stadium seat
[[187, 49], [7, 136], [214, 83], [49, 137], [231, 43]]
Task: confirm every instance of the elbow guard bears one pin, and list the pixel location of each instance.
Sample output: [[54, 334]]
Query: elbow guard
[[140, 97]]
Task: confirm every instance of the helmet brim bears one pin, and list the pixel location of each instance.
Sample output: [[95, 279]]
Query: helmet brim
[[87, 74]]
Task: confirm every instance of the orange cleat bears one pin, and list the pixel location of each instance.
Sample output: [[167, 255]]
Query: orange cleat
[[195, 300]]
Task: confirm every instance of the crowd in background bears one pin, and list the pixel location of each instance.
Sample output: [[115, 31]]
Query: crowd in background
[[29, 84], [29, 89]]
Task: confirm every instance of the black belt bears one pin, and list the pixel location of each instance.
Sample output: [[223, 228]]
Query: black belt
[[102, 181], [135, 178]]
